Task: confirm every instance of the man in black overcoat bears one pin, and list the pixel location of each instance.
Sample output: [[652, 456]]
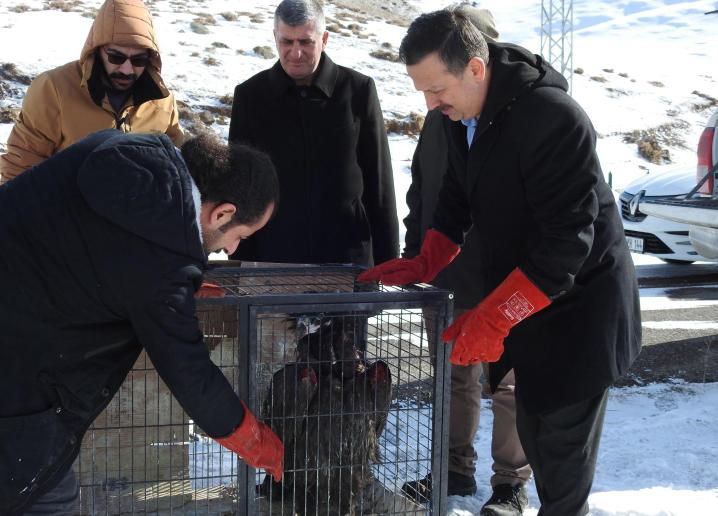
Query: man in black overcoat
[[322, 125], [103, 249], [559, 294], [510, 467]]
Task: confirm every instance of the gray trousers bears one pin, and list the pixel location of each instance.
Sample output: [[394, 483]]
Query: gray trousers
[[60, 501], [510, 464]]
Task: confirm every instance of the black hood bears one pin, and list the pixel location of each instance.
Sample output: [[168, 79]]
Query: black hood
[[141, 183], [514, 72]]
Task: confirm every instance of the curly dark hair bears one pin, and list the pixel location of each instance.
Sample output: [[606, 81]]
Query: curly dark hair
[[234, 173]]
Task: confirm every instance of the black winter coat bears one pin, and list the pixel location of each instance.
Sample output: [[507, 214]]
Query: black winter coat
[[533, 188], [101, 256], [428, 166], [330, 149]]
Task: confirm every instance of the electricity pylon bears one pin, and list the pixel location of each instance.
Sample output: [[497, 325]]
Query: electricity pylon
[[557, 36]]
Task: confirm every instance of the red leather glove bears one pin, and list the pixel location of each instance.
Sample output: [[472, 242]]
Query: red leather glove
[[480, 332], [437, 252], [209, 290], [256, 444]]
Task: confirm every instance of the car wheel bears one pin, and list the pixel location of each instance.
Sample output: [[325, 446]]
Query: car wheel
[[677, 262]]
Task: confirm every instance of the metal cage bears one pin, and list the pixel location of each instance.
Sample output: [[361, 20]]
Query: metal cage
[[350, 376]]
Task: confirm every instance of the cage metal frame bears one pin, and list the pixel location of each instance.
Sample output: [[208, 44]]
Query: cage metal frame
[[259, 300], [253, 306]]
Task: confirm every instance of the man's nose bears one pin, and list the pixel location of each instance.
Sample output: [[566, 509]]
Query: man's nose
[[296, 50], [126, 67], [432, 101], [232, 248]]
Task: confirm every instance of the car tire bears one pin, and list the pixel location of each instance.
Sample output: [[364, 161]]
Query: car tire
[[677, 262]]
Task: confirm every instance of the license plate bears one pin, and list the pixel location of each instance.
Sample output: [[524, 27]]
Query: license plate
[[635, 245]]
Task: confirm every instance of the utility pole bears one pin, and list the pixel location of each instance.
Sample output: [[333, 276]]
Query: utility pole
[[557, 36]]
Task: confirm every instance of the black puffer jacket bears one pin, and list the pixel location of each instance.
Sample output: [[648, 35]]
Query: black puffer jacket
[[533, 188], [100, 257]]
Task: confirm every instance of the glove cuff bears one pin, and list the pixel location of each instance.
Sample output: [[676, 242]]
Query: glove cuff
[[437, 252], [516, 298], [246, 438]]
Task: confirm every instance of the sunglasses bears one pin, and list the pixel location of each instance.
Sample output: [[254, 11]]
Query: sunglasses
[[118, 58]]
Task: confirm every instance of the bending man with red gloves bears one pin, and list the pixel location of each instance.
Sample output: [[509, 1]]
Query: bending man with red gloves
[[105, 246], [560, 298]]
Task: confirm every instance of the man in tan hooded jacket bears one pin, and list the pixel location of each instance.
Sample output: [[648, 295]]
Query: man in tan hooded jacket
[[116, 83]]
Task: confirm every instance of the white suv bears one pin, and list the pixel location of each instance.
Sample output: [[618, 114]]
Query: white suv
[[698, 209], [658, 237]]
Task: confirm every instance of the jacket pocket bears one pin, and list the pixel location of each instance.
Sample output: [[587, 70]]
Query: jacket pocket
[[359, 237], [150, 117], [31, 449]]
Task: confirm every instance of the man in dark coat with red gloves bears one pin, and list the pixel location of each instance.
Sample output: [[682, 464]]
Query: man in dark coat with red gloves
[[104, 245], [560, 298]]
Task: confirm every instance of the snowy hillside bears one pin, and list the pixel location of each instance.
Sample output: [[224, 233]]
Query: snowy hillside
[[645, 70], [645, 65]]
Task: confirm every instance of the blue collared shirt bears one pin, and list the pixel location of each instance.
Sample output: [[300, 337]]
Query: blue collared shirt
[[470, 124]]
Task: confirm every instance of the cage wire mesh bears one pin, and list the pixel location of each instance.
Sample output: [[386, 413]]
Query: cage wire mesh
[[347, 375]]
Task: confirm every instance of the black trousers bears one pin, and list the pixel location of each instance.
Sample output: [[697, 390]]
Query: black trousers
[[562, 447]]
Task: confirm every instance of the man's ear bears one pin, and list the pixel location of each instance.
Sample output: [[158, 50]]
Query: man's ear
[[220, 214], [477, 68], [325, 38]]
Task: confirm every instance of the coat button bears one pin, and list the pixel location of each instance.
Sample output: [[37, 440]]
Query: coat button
[[105, 392], [73, 439], [58, 410]]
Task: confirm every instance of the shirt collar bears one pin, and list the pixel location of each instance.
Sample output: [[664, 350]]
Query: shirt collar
[[324, 80]]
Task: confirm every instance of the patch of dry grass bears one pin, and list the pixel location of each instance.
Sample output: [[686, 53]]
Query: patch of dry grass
[[264, 51], [410, 125], [63, 5], [198, 27], [9, 115], [653, 144], [205, 18], [9, 72], [386, 55], [707, 102]]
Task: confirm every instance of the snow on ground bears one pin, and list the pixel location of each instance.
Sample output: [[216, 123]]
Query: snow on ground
[[658, 455], [643, 62]]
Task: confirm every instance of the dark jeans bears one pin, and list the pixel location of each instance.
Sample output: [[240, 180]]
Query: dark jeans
[[562, 447], [60, 501]]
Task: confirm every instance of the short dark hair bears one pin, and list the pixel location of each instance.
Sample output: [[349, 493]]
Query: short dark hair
[[300, 12], [235, 173], [448, 32]]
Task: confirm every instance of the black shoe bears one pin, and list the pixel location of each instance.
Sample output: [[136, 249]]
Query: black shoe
[[507, 500], [458, 485]]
